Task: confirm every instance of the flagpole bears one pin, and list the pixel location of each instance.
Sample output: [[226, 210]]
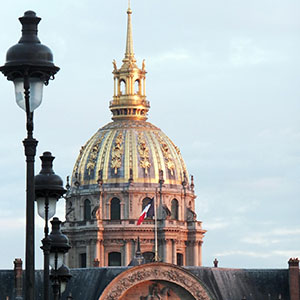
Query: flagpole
[[161, 181], [155, 230]]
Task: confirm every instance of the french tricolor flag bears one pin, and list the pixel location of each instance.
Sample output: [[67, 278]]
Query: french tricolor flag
[[147, 212]]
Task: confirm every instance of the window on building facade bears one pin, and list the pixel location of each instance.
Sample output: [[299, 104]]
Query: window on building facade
[[179, 259], [146, 201], [149, 256], [174, 209], [114, 259], [122, 87], [137, 87], [82, 260], [115, 211], [87, 210]]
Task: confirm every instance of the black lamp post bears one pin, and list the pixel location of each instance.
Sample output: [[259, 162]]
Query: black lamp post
[[29, 64], [59, 246], [48, 189], [63, 275]]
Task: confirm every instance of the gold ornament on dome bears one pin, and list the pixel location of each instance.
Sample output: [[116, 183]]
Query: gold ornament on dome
[[117, 152], [93, 156], [79, 156], [115, 65], [167, 154], [144, 153], [92, 160]]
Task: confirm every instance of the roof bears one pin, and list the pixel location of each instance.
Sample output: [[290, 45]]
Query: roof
[[234, 284], [129, 150], [223, 284]]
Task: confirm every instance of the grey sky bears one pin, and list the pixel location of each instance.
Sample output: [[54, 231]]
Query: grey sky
[[223, 82]]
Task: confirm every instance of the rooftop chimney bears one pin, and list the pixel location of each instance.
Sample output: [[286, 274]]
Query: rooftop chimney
[[294, 278], [216, 263], [18, 278]]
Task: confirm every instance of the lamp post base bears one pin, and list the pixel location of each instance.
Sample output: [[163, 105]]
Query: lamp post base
[[30, 145], [46, 249]]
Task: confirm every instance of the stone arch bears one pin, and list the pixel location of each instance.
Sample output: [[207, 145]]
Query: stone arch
[[155, 273]]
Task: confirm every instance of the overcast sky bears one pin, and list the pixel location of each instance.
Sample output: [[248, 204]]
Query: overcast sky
[[223, 82]]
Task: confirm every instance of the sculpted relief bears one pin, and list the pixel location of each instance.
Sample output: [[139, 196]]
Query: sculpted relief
[[155, 281], [156, 292]]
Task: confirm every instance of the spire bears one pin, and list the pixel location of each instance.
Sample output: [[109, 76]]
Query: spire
[[129, 54], [138, 248], [138, 258], [129, 100]]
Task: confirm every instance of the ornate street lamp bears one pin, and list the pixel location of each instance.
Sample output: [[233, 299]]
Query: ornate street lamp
[[29, 64], [48, 189], [59, 246], [63, 275]]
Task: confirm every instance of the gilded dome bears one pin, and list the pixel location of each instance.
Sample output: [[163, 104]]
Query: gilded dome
[[129, 151]]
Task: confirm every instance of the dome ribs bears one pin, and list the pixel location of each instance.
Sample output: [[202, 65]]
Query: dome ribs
[[126, 145]]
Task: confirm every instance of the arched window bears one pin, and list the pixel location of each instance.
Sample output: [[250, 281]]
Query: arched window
[[174, 209], [149, 256], [115, 209], [114, 259], [146, 201], [137, 87], [122, 87], [87, 210]]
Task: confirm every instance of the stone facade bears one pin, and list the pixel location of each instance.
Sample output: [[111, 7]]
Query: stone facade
[[179, 239]]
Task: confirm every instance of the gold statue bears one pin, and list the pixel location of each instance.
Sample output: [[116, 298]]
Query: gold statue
[[115, 65]]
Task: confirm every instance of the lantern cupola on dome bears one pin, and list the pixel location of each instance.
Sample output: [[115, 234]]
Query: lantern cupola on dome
[[129, 100]]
